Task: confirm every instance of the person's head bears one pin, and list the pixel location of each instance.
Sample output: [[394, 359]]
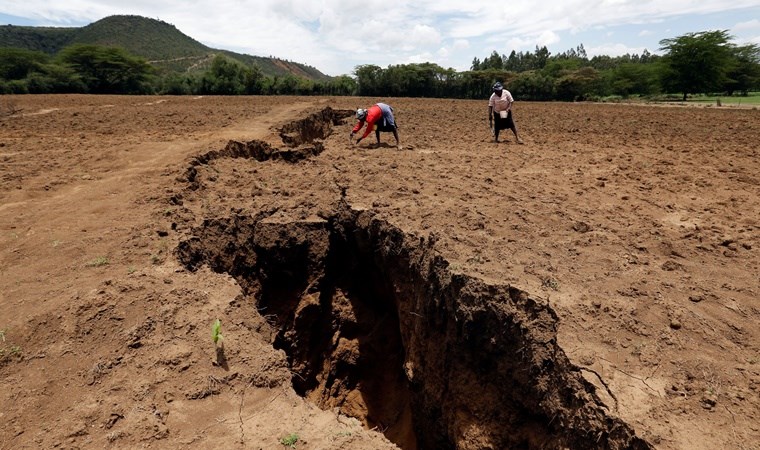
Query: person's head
[[361, 114], [497, 87]]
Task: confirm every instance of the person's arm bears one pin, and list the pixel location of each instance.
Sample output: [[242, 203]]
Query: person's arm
[[490, 110], [355, 130], [367, 131]]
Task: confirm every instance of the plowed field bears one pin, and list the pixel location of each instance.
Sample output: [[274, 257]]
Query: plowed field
[[597, 287]]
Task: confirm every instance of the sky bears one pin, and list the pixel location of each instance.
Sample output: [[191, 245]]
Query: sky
[[335, 36]]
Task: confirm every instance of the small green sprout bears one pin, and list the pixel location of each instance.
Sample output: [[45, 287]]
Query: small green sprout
[[289, 440], [8, 352], [216, 331]]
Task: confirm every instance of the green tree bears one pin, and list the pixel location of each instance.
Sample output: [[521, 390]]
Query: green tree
[[54, 79], [532, 85], [697, 62], [478, 83], [287, 85], [32, 72], [224, 77], [745, 73], [17, 63], [495, 61], [633, 78], [107, 70], [342, 85], [561, 65], [578, 84], [176, 84], [368, 79], [253, 81], [541, 57]]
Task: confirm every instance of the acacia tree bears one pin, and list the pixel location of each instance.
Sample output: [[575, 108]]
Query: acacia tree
[[18, 63], [107, 70], [697, 62]]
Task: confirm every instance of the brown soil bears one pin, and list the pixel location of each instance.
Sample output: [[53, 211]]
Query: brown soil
[[597, 287]]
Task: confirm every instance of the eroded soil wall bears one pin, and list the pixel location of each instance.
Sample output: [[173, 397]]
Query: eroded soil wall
[[376, 324]]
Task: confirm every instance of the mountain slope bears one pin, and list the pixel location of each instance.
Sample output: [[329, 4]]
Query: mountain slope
[[44, 39], [161, 43]]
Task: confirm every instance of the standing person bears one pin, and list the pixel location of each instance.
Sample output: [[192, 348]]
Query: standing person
[[500, 112], [379, 117]]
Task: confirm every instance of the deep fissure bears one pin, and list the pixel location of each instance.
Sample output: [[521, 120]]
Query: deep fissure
[[375, 323], [339, 327]]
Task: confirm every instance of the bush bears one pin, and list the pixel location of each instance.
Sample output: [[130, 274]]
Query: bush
[[16, 87]]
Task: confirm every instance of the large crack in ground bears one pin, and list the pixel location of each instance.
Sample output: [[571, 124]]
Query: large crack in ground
[[375, 323], [302, 139]]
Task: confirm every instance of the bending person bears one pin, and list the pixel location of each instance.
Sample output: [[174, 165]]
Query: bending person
[[379, 117]]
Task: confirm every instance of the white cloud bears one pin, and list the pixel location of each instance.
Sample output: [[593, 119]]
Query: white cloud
[[336, 35], [461, 44], [519, 43], [751, 40], [424, 34], [418, 58], [753, 24], [548, 37], [613, 50], [528, 43]]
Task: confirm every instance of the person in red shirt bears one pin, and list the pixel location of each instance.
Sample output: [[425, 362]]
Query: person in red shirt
[[379, 117]]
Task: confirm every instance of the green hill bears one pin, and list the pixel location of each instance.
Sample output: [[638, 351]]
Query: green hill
[[162, 44]]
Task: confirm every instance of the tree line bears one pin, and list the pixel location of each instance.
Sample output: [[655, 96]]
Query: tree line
[[93, 69], [694, 63]]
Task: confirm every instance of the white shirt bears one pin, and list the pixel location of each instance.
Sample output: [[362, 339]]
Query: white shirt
[[503, 103]]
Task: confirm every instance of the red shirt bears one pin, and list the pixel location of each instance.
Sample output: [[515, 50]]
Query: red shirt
[[374, 113]]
